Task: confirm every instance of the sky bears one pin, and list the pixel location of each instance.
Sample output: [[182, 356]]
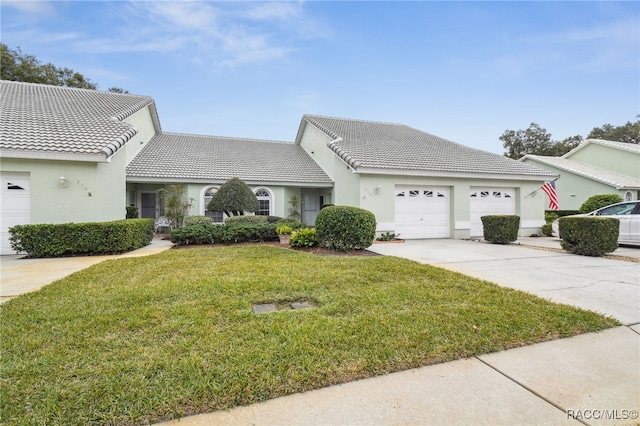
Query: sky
[[462, 70]]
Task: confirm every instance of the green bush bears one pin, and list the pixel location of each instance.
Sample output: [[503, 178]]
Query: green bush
[[561, 213], [345, 228], [500, 228], [197, 220], [589, 235], [132, 212], [72, 239], [547, 229], [598, 201], [550, 216], [252, 219], [305, 237], [224, 233]]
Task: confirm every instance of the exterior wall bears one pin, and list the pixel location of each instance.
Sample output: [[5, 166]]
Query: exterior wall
[[346, 189], [381, 202], [143, 122], [616, 160], [51, 203], [572, 189]]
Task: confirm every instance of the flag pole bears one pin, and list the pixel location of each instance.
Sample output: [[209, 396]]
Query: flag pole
[[530, 194]]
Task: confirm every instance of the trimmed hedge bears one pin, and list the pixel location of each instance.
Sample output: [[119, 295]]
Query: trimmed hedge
[[561, 213], [345, 228], [596, 202], [224, 233], [500, 228], [589, 235], [253, 219], [72, 239], [197, 220]]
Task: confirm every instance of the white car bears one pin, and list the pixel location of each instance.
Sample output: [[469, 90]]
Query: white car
[[628, 213]]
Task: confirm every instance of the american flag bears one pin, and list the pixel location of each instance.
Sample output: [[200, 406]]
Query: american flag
[[550, 189]]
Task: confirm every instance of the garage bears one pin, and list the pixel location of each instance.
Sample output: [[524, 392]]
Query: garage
[[422, 212], [15, 205], [488, 201]]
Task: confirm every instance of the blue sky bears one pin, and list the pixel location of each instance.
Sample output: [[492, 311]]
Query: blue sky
[[462, 70]]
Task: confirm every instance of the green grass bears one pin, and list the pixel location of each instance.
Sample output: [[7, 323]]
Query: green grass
[[140, 340]]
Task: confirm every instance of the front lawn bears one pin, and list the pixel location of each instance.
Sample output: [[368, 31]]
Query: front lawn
[[140, 340]]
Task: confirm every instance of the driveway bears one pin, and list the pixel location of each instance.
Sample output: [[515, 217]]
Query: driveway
[[610, 287]]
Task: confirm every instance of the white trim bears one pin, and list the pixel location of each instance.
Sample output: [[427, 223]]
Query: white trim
[[462, 224], [48, 155], [467, 175]]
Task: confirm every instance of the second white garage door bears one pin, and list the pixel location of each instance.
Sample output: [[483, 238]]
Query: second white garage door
[[15, 205], [422, 212], [488, 201]]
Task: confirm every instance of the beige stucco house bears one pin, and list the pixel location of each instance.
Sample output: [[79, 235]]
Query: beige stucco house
[[73, 155], [593, 167]]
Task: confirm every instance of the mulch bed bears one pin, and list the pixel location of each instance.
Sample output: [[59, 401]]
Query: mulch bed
[[318, 251]]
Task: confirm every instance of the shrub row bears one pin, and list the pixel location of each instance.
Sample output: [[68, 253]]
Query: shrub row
[[500, 228], [224, 233], [589, 235], [69, 239]]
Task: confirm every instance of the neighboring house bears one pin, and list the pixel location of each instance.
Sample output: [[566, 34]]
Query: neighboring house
[[594, 167], [73, 155], [63, 152]]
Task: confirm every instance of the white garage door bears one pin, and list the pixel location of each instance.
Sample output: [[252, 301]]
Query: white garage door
[[422, 212], [487, 201], [15, 205]]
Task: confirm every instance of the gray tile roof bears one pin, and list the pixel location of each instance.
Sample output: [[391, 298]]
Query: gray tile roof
[[376, 145], [45, 119], [605, 176], [212, 158]]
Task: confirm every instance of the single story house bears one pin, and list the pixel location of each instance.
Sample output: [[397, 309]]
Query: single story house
[[593, 167], [74, 155]]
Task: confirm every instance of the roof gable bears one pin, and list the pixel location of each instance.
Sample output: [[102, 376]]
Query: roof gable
[[608, 177], [201, 158], [377, 145], [41, 119], [622, 146]]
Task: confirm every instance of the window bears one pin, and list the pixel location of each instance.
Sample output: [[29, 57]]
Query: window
[[413, 193], [400, 194], [216, 217], [264, 202], [628, 196], [14, 186]]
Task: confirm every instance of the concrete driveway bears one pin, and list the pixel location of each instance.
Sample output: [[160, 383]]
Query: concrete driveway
[[610, 287]]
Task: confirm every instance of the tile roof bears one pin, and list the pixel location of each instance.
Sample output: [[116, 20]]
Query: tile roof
[[605, 176], [630, 147], [213, 158], [44, 119], [376, 145]]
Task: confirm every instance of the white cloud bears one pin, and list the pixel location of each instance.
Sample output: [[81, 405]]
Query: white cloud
[[34, 7]]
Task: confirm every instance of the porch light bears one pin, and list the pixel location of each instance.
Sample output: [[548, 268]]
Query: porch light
[[62, 182], [378, 188]]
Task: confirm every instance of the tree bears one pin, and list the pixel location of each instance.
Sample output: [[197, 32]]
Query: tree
[[176, 207], [17, 66], [535, 140], [234, 198], [117, 90], [629, 132]]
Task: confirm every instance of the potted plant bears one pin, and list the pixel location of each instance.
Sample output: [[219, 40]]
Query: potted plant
[[284, 233]]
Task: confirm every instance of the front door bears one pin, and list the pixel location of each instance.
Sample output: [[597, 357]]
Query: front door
[[148, 205], [310, 208]]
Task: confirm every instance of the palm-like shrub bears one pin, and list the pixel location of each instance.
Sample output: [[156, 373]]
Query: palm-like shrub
[[234, 198]]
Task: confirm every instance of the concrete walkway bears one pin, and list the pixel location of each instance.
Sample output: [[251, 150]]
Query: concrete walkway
[[19, 275], [587, 379]]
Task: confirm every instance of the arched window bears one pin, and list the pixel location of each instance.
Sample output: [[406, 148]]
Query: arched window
[[216, 217], [264, 200], [628, 196]]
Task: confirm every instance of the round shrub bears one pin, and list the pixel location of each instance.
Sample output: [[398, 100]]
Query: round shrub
[[598, 201], [547, 229], [500, 228], [345, 228], [589, 235]]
